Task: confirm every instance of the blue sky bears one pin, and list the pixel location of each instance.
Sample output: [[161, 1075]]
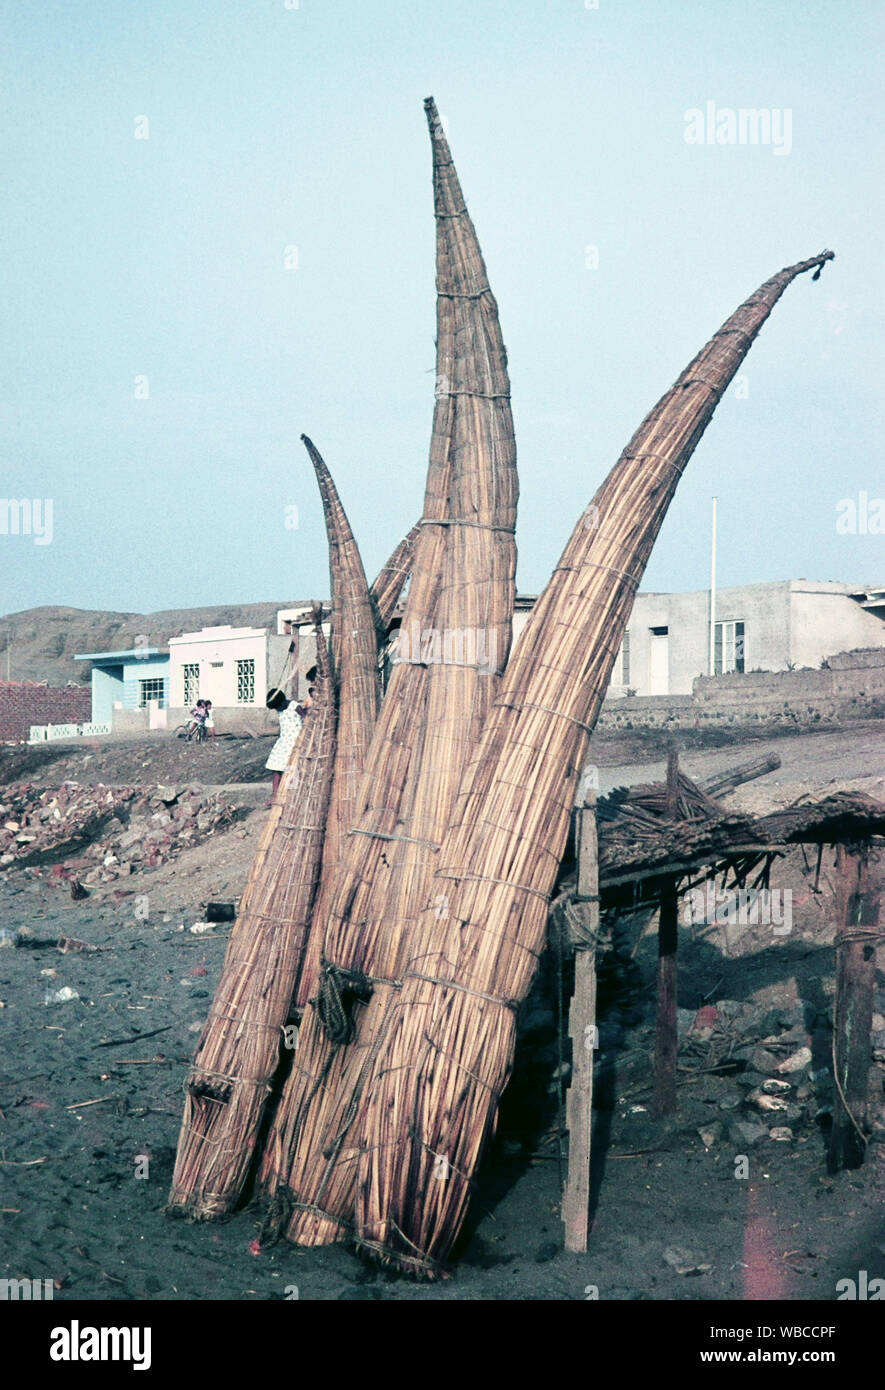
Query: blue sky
[[272, 127]]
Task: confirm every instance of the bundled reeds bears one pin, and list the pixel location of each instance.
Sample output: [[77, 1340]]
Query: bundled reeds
[[390, 581], [355, 624], [453, 644], [446, 1053], [239, 1048]]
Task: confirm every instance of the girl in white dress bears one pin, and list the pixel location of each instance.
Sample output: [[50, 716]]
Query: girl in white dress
[[291, 717]]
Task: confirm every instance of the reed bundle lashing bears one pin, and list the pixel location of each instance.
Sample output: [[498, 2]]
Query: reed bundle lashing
[[239, 1047], [453, 643], [447, 1046]]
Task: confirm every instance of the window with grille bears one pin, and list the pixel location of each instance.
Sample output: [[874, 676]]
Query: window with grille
[[191, 683], [728, 648], [246, 682], [152, 689]]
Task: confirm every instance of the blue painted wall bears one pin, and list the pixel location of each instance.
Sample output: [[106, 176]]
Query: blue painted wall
[[134, 672], [107, 686]]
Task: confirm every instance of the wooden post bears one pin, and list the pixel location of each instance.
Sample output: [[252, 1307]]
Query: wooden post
[[853, 1009], [584, 1036], [666, 1033]]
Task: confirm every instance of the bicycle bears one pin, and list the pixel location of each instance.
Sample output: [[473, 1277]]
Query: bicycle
[[192, 731]]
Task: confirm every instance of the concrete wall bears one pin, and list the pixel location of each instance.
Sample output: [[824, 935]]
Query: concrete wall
[[520, 618], [858, 675], [306, 655], [278, 659], [135, 723], [26, 703], [651, 610], [822, 618], [852, 687], [762, 608], [788, 622], [648, 712]]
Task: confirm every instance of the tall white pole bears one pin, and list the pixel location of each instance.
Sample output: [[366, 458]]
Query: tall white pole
[[713, 594]]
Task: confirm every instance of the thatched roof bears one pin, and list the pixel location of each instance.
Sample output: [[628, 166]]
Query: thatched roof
[[638, 841]]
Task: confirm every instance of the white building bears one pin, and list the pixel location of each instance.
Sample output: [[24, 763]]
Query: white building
[[788, 625], [227, 665], [232, 666]]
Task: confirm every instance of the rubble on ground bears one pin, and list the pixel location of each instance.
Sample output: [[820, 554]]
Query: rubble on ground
[[95, 833], [766, 1070]]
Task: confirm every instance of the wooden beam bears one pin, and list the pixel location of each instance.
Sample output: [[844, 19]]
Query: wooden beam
[[587, 854], [745, 772], [666, 1036], [583, 1034], [666, 1033], [685, 866], [856, 937], [672, 783]]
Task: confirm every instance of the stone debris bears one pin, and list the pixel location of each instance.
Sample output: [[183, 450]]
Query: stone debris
[[686, 1261], [762, 1060], [743, 1132], [797, 1061], [71, 945], [765, 1102], [61, 996], [760, 1068], [89, 834]]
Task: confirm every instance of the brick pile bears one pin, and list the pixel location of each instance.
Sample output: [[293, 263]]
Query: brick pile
[[97, 833]]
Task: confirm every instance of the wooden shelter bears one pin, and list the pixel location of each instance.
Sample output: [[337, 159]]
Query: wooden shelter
[[643, 847]]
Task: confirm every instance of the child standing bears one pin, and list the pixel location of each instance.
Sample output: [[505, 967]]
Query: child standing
[[290, 728]]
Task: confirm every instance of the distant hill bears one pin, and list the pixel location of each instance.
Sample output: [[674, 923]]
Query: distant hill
[[42, 642]]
